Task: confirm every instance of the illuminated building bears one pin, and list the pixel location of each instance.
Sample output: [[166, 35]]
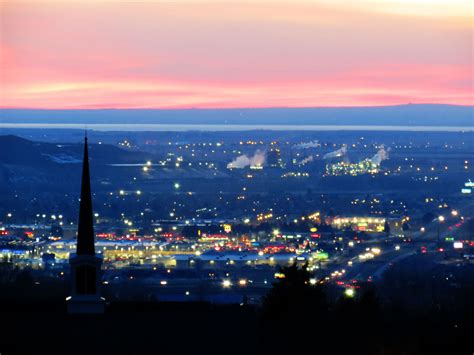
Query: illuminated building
[[274, 158], [467, 190], [365, 224], [366, 166]]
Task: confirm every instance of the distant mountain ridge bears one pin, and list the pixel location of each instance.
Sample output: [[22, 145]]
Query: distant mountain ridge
[[402, 115], [29, 164]]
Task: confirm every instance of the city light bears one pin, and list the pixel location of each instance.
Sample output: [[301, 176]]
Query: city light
[[349, 292], [366, 256], [441, 218], [226, 283], [376, 251], [454, 213]]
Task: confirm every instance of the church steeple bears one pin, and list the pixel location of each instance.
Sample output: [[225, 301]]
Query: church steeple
[[85, 264], [85, 233]]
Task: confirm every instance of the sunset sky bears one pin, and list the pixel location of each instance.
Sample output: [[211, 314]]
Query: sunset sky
[[183, 54]]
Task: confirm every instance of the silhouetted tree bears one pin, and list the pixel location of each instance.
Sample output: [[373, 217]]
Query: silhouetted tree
[[24, 278], [293, 297]]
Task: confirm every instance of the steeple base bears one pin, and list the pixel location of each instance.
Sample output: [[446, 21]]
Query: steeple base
[[85, 293]]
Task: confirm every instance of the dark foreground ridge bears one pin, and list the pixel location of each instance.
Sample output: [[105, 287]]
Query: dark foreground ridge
[[295, 318]]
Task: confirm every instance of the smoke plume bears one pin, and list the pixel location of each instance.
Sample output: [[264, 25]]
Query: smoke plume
[[306, 160], [380, 156], [258, 159], [239, 163], [337, 153], [242, 161], [306, 145]]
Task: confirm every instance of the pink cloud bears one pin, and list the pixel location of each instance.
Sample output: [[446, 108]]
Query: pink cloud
[[200, 55]]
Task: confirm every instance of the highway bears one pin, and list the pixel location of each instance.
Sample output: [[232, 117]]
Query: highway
[[392, 252]]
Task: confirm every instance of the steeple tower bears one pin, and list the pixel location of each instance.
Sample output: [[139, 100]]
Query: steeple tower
[[85, 264], [85, 232]]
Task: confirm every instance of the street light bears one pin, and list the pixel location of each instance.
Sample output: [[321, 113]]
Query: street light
[[454, 213], [226, 283], [441, 219], [349, 292]]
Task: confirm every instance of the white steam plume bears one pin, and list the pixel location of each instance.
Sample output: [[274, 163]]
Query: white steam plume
[[380, 156], [242, 161], [306, 145], [258, 159], [337, 153], [306, 160]]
